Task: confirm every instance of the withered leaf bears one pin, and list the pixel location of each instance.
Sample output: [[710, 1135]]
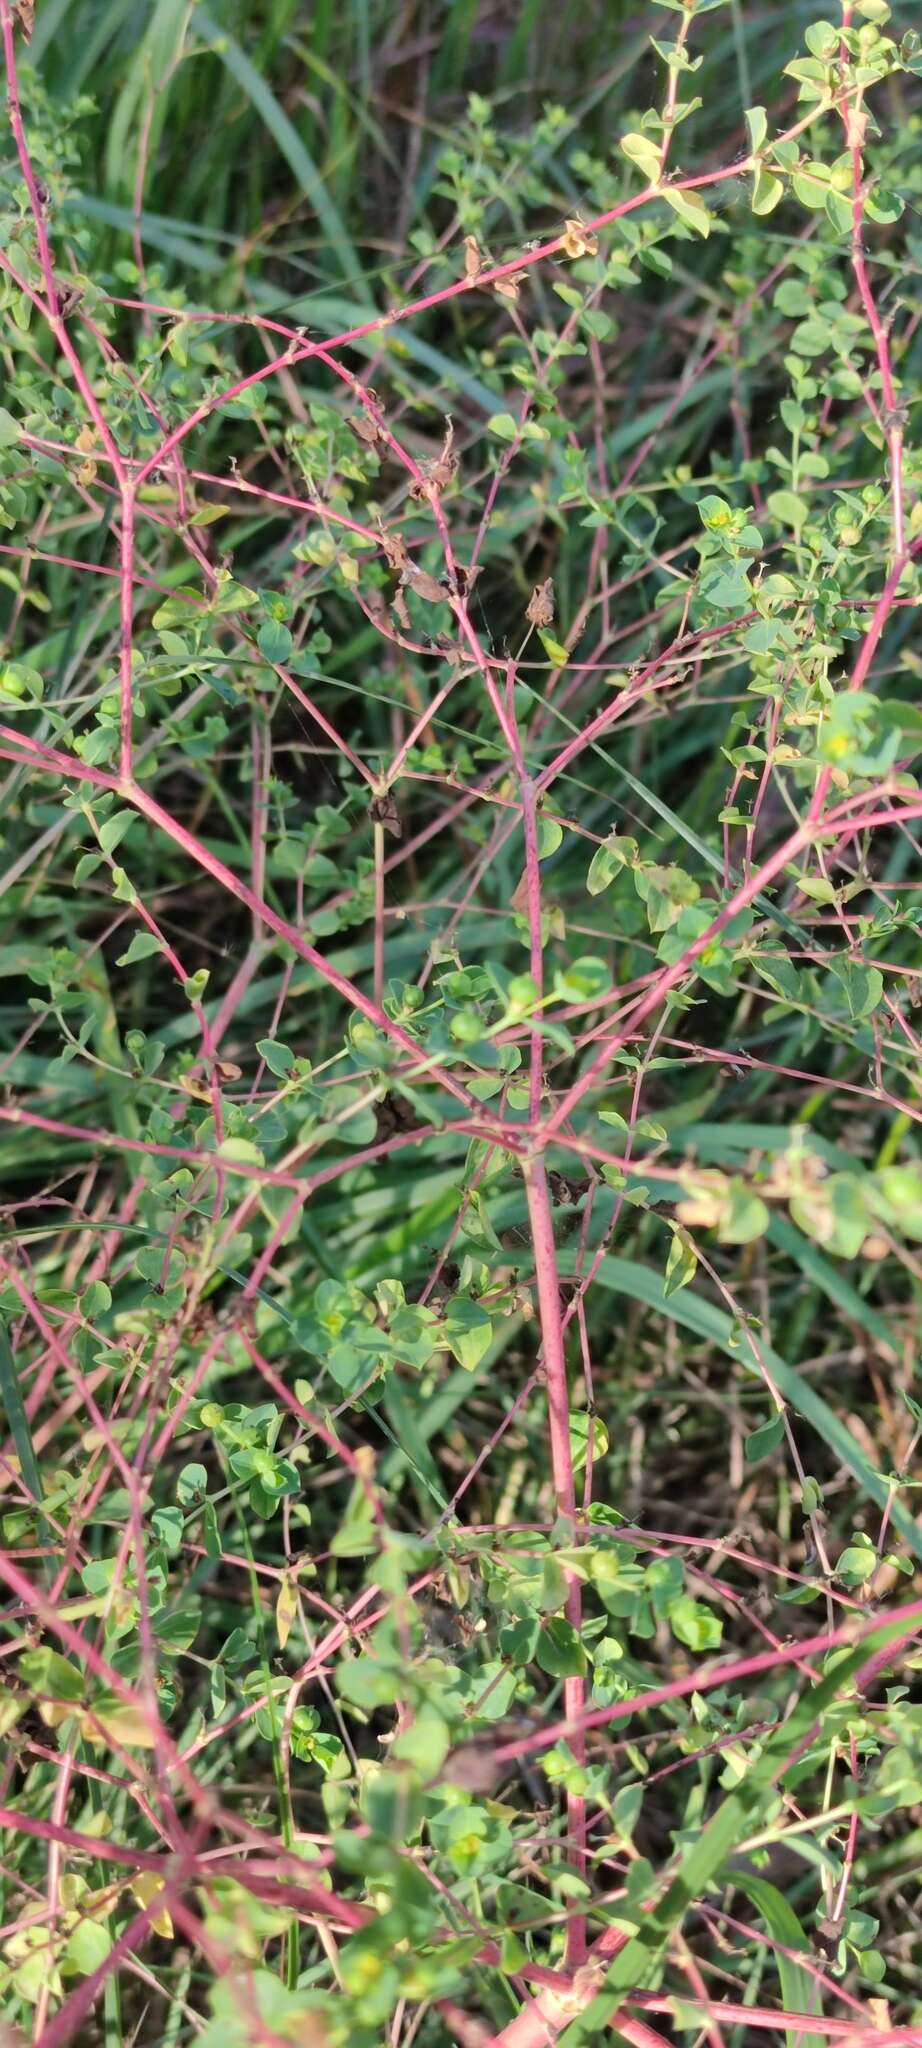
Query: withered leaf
[[195, 1087], [510, 287], [425, 586], [382, 810], [473, 1768], [829, 1934], [227, 1070], [394, 547], [394, 1113], [24, 11], [437, 475], [445, 468], [365, 429], [539, 610], [146, 1887], [518, 901], [579, 240], [286, 1609], [473, 261], [465, 577]]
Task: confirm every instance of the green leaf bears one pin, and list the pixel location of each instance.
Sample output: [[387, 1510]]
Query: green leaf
[[682, 1261], [9, 429], [240, 1152], [895, 1194], [113, 830], [666, 893], [757, 125], [274, 640], [690, 208], [836, 1211], [767, 191], [863, 987], [644, 152], [96, 1299], [168, 1524], [766, 1438], [726, 587], [695, 1625], [87, 1947], [586, 1430], [160, 1266], [278, 1058], [584, 980], [366, 1682], [560, 1651], [811, 184], [554, 649], [857, 1563], [50, 1676], [550, 835], [614, 854], [788, 509], [467, 1330], [839, 211], [191, 1485], [142, 946], [744, 1216], [822, 39], [177, 1629]]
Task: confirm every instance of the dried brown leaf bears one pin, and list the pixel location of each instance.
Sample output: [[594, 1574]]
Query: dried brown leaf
[[445, 468], [539, 610], [465, 578], [425, 586], [395, 548], [473, 260], [195, 1086], [579, 240], [382, 810], [227, 1070], [286, 1609], [365, 429], [518, 901], [437, 475], [510, 287]]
